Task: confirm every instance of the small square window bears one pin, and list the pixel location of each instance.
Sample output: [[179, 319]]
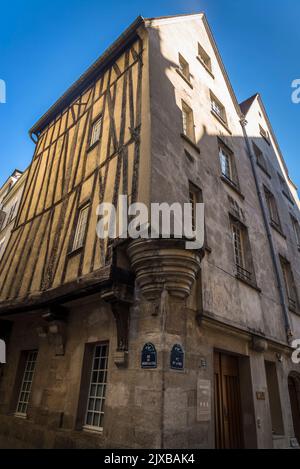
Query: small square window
[[95, 131]]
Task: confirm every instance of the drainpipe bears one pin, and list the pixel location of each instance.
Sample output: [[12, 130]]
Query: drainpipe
[[285, 311]]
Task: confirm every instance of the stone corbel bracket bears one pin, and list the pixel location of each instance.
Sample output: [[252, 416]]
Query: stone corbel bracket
[[164, 264], [56, 317], [120, 298]]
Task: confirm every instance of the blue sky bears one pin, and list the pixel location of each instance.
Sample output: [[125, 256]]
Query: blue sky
[[45, 46]]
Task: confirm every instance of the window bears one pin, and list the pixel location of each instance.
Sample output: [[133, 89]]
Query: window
[[27, 378], [11, 213], [184, 67], [296, 228], [195, 197], [285, 188], [289, 282], [204, 58], [265, 134], [228, 168], [95, 133], [1, 246], [2, 219], [218, 108], [273, 211], [260, 159], [81, 227], [97, 388], [274, 398], [188, 122], [242, 251]]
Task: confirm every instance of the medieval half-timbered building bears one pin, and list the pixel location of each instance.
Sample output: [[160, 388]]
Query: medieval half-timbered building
[[143, 343]]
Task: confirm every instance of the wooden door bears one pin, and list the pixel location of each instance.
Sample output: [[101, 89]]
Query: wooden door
[[228, 424], [294, 391]]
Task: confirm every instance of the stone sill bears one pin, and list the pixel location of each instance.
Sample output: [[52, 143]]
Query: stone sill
[[93, 430], [264, 170], [193, 144], [275, 227], [20, 416], [232, 186], [247, 282], [288, 197], [221, 121], [184, 78], [205, 66]]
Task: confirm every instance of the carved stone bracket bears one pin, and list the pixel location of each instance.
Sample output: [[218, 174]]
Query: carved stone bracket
[[120, 299], [56, 317], [259, 344], [164, 264]]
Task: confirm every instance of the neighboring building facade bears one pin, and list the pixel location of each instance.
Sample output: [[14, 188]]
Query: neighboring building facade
[[143, 343], [10, 196]]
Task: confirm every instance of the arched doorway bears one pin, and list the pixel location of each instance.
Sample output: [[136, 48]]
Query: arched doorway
[[294, 391]]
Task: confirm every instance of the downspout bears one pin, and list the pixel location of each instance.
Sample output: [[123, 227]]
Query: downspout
[[286, 316]]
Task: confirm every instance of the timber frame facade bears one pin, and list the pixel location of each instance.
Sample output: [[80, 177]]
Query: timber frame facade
[[92, 328]]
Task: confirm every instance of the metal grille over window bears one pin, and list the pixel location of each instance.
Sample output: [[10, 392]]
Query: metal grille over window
[[96, 396], [81, 227], [95, 136], [27, 382]]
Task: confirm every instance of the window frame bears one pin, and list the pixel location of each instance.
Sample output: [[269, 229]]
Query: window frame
[[222, 116], [183, 64], [86, 384], [233, 180], [296, 229], [260, 158], [205, 59], [244, 265], [75, 247], [189, 133], [21, 375], [12, 213], [92, 143], [265, 134], [290, 285], [273, 210]]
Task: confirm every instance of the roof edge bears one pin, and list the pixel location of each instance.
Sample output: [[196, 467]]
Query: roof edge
[[87, 77]]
